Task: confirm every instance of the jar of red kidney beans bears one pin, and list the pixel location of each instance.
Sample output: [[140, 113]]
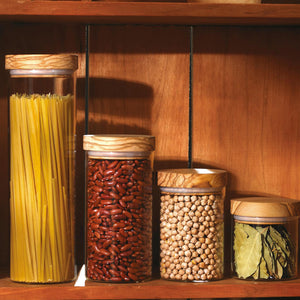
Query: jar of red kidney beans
[[119, 207]]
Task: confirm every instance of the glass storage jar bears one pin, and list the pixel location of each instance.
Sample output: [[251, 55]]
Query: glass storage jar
[[192, 223], [119, 207], [42, 153], [265, 238]]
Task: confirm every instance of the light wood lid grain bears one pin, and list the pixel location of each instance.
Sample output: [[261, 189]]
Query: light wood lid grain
[[122, 143], [264, 207], [41, 62], [192, 178]]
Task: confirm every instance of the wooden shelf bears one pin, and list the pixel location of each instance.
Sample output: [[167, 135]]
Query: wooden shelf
[[153, 289], [149, 12]]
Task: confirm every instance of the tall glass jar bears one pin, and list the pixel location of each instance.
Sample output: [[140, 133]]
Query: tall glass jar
[[265, 238], [192, 224], [42, 152], [119, 207]]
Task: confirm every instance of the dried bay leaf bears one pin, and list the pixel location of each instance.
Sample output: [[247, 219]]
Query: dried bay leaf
[[255, 275], [263, 230], [263, 272], [247, 250], [279, 270], [279, 240], [268, 256]]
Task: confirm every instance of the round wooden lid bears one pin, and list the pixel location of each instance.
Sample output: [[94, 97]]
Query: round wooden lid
[[192, 178], [122, 143], [265, 207], [41, 62]]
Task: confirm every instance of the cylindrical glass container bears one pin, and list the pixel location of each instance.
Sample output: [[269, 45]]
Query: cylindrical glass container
[[42, 153], [119, 207], [265, 238], [192, 224]]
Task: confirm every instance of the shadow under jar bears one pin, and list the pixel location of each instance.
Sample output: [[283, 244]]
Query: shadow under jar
[[265, 238], [192, 224], [119, 207]]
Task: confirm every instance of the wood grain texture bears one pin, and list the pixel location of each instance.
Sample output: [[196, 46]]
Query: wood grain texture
[[139, 78], [192, 178], [41, 61], [41, 39], [119, 143], [102, 12], [246, 109], [264, 207], [139, 85], [154, 289]]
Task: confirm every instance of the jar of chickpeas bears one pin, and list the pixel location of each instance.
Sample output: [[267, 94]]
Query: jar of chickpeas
[[192, 224]]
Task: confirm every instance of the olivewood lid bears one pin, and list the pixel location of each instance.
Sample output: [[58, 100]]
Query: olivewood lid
[[192, 178], [265, 207], [41, 62], [122, 142]]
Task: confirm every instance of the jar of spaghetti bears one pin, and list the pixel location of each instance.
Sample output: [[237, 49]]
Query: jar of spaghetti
[[265, 238], [42, 153], [192, 224], [119, 207]]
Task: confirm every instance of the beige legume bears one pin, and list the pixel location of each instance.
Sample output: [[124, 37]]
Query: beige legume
[[191, 237]]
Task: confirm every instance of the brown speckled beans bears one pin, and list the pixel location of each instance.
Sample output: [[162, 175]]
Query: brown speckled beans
[[119, 220], [191, 226], [119, 210]]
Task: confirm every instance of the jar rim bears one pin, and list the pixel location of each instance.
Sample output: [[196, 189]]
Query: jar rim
[[191, 190], [264, 220], [40, 72]]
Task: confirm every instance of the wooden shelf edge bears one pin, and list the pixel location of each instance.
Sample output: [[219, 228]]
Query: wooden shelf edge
[[153, 289], [149, 13]]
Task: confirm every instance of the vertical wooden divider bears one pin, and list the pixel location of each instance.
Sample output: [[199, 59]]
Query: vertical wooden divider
[[139, 78], [40, 39], [246, 108]]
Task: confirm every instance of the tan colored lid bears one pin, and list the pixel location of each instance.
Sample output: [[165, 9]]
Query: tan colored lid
[[122, 143], [264, 207], [41, 62], [192, 178]]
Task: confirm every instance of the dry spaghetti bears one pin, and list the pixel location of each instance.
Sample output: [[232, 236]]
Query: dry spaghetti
[[41, 184]]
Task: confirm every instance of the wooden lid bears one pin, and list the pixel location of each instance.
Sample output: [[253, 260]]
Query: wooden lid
[[41, 62], [192, 178], [264, 207], [122, 143]]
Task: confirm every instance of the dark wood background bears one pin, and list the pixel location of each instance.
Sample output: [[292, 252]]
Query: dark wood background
[[245, 108]]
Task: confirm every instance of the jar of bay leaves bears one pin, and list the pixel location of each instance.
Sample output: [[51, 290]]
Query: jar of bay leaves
[[192, 224], [265, 238], [42, 155]]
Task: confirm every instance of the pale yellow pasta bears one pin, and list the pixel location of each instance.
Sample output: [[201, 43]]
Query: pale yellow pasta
[[42, 175]]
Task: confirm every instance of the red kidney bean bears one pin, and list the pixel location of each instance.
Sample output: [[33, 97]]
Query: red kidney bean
[[106, 243], [119, 219], [123, 233], [104, 252], [116, 211], [125, 247], [115, 248]]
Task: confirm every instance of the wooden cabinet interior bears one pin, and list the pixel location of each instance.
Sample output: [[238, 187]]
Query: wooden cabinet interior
[[244, 107]]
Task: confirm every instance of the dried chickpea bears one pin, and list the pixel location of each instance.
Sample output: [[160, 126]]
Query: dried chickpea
[[191, 237]]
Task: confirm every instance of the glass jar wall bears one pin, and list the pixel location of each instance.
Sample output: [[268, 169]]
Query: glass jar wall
[[119, 207], [265, 238], [42, 156], [192, 224]]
